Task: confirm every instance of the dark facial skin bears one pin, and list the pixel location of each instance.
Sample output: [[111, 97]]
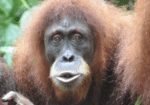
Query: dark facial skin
[[69, 50], [68, 38]]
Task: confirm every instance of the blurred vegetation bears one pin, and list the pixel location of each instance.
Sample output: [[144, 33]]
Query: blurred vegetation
[[139, 101], [13, 13], [129, 4]]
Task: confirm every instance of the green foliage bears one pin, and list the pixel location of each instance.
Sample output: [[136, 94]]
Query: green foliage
[[13, 14], [139, 101], [128, 3]]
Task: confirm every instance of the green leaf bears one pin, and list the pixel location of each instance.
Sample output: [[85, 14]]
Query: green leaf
[[8, 54], [34, 1], [2, 16], [6, 6], [139, 101], [7, 49], [26, 15], [8, 20], [2, 34], [8, 57], [12, 33], [15, 8]]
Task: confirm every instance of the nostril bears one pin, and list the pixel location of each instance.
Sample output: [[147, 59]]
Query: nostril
[[65, 59], [70, 59]]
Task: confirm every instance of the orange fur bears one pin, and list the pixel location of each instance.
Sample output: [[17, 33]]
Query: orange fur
[[133, 67]]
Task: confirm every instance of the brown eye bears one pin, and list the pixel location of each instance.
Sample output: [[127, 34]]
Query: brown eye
[[77, 38], [57, 39]]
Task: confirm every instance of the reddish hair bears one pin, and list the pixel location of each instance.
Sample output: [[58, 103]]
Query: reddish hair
[[133, 67]]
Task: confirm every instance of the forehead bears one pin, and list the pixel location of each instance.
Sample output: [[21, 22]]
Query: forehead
[[68, 22]]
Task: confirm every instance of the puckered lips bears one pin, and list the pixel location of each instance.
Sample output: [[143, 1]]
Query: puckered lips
[[67, 77]]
